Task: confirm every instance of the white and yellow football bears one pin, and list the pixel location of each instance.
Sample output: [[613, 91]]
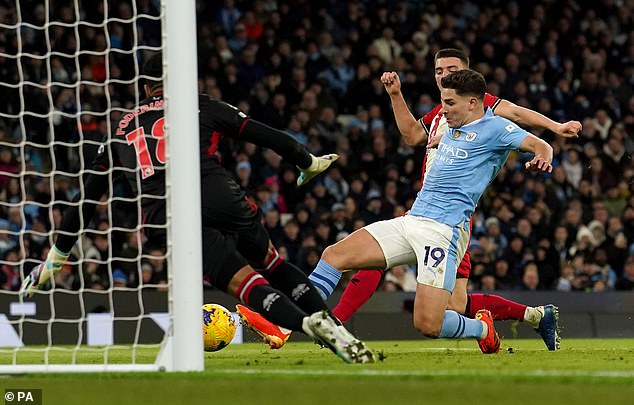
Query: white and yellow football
[[219, 326]]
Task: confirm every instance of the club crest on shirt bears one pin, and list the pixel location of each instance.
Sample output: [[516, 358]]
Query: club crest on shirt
[[471, 136], [456, 134]]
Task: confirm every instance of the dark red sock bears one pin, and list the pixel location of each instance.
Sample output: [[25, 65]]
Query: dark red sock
[[357, 292], [500, 308]]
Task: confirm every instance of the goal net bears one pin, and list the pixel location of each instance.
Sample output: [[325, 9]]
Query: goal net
[[71, 69]]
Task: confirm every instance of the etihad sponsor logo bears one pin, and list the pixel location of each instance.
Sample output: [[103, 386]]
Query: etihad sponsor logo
[[448, 154], [452, 151]]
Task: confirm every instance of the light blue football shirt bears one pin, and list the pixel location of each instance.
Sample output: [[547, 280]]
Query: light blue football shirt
[[468, 158]]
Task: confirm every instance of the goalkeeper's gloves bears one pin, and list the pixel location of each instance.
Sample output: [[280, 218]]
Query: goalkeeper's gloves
[[41, 274], [318, 165]]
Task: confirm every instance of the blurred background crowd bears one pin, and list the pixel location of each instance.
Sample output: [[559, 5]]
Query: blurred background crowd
[[312, 69]]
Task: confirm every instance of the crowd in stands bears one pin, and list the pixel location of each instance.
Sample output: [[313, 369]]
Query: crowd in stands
[[312, 69]]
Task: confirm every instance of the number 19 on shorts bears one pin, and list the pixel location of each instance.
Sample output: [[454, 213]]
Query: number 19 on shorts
[[433, 255]]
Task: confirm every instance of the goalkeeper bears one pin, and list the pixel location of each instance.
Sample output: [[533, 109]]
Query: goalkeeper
[[234, 240]]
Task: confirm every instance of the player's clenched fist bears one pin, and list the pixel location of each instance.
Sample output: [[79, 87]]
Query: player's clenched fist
[[391, 82], [569, 129]]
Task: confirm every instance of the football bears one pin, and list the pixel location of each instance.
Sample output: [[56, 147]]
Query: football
[[218, 327]]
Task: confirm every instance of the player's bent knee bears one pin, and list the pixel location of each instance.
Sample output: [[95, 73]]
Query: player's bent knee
[[237, 280], [427, 328], [335, 257], [428, 331]]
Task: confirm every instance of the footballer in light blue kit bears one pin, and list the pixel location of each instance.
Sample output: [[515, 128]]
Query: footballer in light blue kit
[[468, 158], [466, 161], [435, 233]]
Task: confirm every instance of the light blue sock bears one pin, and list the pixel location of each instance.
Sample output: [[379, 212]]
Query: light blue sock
[[325, 278], [456, 326]]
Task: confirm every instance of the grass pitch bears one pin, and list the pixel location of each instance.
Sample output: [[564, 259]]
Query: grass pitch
[[410, 372]]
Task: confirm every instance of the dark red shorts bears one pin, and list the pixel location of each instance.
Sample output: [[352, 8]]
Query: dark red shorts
[[464, 269]]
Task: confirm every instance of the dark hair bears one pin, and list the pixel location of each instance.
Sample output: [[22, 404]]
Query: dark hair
[[466, 82], [452, 53], [153, 68]]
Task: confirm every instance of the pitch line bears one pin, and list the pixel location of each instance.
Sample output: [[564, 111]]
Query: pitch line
[[428, 373]]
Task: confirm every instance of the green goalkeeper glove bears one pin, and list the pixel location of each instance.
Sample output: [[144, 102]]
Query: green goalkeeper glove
[[318, 165], [41, 274]]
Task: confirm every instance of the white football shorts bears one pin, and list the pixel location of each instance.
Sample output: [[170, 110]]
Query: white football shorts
[[435, 248]]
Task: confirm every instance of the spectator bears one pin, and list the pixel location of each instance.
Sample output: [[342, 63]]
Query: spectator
[[274, 227], [400, 278], [386, 46], [602, 122], [338, 75], [119, 278], [573, 167], [626, 282], [252, 26], [372, 211], [10, 273], [548, 267], [96, 263], [585, 242], [243, 172], [228, 16], [327, 125], [603, 272], [338, 221], [8, 166], [617, 253], [564, 283], [530, 278], [336, 185], [296, 131], [488, 282], [7, 243], [514, 255], [498, 241], [584, 269], [291, 240], [503, 279], [154, 268]]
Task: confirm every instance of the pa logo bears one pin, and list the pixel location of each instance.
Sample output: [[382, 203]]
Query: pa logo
[[471, 136]]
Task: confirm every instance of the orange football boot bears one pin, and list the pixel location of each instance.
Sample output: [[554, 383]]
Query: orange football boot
[[491, 343], [270, 333]]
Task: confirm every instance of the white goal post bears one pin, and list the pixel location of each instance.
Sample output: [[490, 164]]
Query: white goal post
[[180, 342], [184, 195]]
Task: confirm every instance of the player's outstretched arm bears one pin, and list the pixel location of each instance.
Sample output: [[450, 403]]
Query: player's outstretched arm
[[288, 148], [543, 159], [239, 125], [412, 131], [94, 187], [526, 117]]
